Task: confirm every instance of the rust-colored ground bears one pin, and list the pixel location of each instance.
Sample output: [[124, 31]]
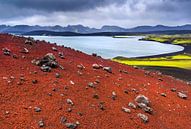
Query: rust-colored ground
[[18, 98]]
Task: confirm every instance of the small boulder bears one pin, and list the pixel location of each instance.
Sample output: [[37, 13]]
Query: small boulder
[[182, 95], [27, 41], [101, 106], [142, 99], [69, 101], [57, 75], [81, 67], [25, 51], [91, 85], [50, 56], [163, 94], [61, 55], [94, 54], [126, 110], [145, 108], [143, 117], [6, 51], [114, 95], [108, 69], [96, 66], [45, 68], [173, 89], [132, 105], [34, 81], [63, 119], [54, 49], [71, 125], [37, 109], [15, 56], [41, 123]]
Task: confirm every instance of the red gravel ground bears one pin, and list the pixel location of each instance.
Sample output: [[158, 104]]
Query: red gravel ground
[[17, 100]]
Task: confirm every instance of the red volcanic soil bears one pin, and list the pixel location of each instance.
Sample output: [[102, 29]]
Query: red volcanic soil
[[27, 104]]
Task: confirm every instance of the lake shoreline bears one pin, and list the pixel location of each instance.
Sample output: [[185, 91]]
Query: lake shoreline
[[179, 73], [182, 74]]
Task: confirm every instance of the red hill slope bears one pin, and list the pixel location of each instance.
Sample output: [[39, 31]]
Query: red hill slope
[[76, 94]]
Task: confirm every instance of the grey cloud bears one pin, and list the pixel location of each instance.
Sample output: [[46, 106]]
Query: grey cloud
[[60, 5], [96, 12]]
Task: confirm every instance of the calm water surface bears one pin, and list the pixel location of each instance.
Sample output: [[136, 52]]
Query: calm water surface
[[109, 47]]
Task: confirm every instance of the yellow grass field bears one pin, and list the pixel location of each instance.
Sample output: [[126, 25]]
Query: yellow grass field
[[178, 61]]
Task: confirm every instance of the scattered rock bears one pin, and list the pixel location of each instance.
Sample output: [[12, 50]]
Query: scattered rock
[[25, 51], [126, 91], [71, 125], [79, 73], [54, 89], [182, 95], [173, 89], [63, 119], [114, 95], [96, 66], [72, 83], [27, 41], [15, 56], [143, 103], [163, 94], [91, 85], [7, 112], [49, 94], [69, 101], [19, 83], [22, 79], [23, 57], [132, 105], [123, 71], [61, 55], [45, 68], [143, 117], [142, 99], [108, 69], [97, 81], [95, 96], [160, 79], [80, 113], [94, 54], [49, 56], [126, 110], [6, 51], [34, 81], [57, 75], [145, 108], [69, 110], [37, 109], [41, 123], [81, 67], [101, 106], [54, 49]]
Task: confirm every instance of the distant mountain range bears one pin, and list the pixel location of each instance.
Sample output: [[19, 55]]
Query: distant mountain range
[[22, 29]]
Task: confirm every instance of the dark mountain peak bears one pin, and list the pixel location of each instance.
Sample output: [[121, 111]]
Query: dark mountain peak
[[160, 26], [22, 26], [85, 29], [108, 27]]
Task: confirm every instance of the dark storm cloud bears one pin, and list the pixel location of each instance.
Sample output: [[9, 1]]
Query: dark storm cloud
[[60, 5], [95, 12]]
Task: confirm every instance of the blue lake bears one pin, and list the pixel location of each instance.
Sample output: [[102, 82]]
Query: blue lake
[[109, 47]]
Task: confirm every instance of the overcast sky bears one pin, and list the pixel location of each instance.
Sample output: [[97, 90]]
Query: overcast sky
[[95, 13]]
